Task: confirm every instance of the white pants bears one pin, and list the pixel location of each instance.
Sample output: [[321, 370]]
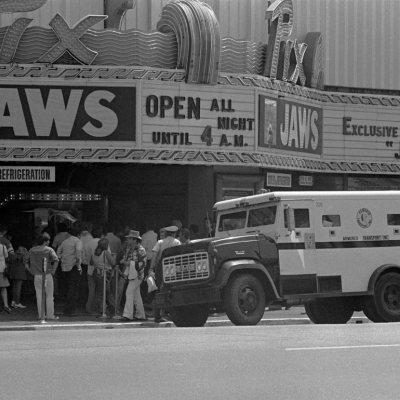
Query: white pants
[[133, 297], [49, 289]]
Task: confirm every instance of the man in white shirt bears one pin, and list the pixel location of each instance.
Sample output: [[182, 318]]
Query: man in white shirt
[[149, 240], [70, 254], [85, 237]]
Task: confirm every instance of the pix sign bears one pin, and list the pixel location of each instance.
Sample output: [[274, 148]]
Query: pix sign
[[67, 113]]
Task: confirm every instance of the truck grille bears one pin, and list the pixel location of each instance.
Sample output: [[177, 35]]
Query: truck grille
[[186, 267]]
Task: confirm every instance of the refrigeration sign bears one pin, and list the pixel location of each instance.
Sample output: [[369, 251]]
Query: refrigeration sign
[[27, 174], [67, 113]]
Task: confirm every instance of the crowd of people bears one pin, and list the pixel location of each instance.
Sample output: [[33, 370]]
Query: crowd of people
[[102, 268]]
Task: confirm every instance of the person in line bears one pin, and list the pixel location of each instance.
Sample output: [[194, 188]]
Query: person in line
[[102, 262], [70, 254], [162, 234], [34, 261], [4, 283], [177, 223], [184, 236], [113, 240], [62, 234], [208, 227], [135, 262], [149, 240], [4, 240], [88, 251], [155, 272], [194, 232], [18, 276], [85, 237], [60, 286]]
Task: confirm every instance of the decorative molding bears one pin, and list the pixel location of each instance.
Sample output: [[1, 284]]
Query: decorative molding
[[14, 6], [198, 34], [242, 56], [199, 157], [12, 38], [116, 9], [89, 72], [178, 75], [69, 40]]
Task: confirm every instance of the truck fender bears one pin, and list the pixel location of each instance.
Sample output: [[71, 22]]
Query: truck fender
[[229, 267], [378, 272]]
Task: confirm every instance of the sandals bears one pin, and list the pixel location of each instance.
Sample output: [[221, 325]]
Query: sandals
[[7, 310]]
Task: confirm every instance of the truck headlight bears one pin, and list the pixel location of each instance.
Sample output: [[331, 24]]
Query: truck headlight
[[167, 271]]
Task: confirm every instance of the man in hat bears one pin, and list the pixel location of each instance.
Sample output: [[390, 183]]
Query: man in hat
[[135, 260], [161, 245]]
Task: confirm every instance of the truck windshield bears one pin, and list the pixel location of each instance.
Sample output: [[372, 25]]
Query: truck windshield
[[228, 222], [262, 216]]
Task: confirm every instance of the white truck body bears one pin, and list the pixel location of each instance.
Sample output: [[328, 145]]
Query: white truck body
[[360, 233]]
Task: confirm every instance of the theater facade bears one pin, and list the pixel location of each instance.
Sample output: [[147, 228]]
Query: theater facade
[[133, 126]]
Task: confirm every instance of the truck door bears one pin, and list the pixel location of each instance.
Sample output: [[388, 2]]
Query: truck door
[[297, 252]]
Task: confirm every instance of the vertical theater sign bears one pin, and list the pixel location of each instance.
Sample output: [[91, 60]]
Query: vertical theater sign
[[70, 93]]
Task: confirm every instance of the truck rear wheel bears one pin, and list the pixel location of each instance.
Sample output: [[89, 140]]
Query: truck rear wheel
[[244, 300], [370, 311], [387, 297], [189, 316], [329, 311]]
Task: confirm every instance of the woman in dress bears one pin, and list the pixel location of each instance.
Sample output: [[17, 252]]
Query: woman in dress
[[103, 261], [4, 283], [18, 275]]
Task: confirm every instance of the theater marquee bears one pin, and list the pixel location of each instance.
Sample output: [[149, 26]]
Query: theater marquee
[[290, 125], [67, 113]]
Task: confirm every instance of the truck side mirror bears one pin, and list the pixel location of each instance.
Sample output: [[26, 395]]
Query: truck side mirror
[[289, 218]]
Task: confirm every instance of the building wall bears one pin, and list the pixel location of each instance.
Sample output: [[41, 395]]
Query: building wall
[[360, 36], [71, 10]]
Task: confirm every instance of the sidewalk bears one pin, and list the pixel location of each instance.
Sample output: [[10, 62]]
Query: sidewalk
[[26, 320]]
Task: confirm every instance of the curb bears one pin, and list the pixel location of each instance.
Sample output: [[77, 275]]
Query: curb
[[130, 325]]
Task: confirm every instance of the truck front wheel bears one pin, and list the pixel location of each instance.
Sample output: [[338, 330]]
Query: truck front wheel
[[329, 311], [244, 300], [189, 316]]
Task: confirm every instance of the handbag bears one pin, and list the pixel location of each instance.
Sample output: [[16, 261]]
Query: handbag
[[7, 272], [151, 284]]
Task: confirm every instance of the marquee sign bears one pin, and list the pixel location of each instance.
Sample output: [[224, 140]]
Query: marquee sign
[[290, 125], [176, 116], [67, 113]]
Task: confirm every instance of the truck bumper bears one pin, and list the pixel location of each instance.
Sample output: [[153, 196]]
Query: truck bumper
[[187, 297]]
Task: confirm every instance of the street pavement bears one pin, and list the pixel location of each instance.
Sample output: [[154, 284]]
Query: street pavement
[[26, 319], [287, 362]]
